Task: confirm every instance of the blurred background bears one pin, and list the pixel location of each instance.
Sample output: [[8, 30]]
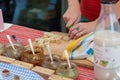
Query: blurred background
[[38, 14]]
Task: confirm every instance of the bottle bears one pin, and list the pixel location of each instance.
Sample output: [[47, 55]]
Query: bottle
[[107, 43]]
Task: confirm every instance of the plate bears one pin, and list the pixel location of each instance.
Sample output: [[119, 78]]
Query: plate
[[23, 73]]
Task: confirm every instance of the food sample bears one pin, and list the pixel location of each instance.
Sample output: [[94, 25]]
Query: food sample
[[51, 65], [36, 59], [64, 70], [2, 50], [5, 72], [14, 53], [52, 38], [16, 77]]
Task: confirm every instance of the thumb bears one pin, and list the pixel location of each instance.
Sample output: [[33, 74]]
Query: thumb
[[70, 23]]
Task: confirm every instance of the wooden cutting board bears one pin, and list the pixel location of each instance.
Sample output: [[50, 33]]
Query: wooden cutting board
[[59, 48]]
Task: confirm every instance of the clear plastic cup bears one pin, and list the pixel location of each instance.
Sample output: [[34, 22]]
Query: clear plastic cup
[[14, 53], [36, 59], [64, 70], [51, 65]]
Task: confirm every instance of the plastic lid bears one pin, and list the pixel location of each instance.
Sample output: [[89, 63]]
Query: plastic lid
[[108, 1]]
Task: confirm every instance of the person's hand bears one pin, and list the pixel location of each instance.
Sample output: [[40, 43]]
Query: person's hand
[[81, 29], [72, 15]]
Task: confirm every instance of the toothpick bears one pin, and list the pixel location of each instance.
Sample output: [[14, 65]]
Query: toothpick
[[31, 46], [10, 41], [49, 51], [66, 53]]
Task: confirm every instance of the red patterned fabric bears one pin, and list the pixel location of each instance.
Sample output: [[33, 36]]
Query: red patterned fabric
[[85, 74], [23, 33]]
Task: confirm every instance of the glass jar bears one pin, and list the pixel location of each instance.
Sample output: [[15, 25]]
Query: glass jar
[[51, 65], [64, 70], [36, 59], [14, 53], [2, 49]]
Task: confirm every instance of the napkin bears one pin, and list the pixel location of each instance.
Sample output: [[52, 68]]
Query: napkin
[[6, 26], [81, 48]]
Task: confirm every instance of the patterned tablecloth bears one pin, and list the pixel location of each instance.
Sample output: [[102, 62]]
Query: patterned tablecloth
[[23, 33], [24, 74]]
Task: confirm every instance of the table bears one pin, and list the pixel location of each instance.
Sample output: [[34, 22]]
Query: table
[[23, 33]]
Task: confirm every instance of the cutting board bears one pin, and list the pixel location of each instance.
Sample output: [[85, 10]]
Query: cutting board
[[58, 48]]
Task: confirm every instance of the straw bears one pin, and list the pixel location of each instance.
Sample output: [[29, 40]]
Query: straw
[[10, 41], [31, 46], [66, 53], [49, 51]]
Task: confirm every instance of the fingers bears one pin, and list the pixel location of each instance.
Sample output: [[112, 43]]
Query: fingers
[[81, 29], [70, 20], [75, 32], [77, 20], [70, 23], [75, 28], [72, 34], [79, 34]]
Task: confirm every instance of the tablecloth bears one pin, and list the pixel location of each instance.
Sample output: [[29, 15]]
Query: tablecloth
[[23, 33]]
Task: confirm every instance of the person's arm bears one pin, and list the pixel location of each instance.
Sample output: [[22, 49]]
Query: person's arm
[[85, 28], [82, 29], [72, 14], [117, 9]]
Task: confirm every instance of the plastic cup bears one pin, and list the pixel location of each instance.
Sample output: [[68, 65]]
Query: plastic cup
[[64, 70], [35, 59], [14, 53], [51, 65]]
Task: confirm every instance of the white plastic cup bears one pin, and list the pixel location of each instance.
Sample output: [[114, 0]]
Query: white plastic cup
[[1, 21]]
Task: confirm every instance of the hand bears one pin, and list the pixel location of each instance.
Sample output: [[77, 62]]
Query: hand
[[81, 29], [72, 15]]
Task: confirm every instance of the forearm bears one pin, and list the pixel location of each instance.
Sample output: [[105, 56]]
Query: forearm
[[117, 9], [74, 3]]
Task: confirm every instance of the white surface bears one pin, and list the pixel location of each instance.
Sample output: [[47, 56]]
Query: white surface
[[6, 26]]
